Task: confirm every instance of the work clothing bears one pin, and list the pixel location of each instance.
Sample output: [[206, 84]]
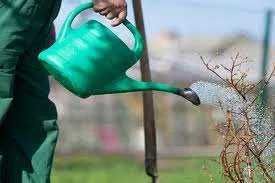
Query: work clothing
[[28, 129]]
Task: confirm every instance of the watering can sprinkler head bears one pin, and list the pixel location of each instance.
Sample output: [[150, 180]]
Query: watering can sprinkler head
[[190, 95]]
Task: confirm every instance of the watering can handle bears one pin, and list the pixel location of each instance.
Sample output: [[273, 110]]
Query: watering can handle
[[67, 27]]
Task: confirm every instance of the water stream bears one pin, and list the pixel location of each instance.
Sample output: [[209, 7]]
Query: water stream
[[227, 99]]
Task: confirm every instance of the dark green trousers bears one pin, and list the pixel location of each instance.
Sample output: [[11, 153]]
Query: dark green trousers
[[28, 129]]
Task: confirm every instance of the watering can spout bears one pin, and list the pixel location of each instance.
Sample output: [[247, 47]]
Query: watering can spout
[[190, 95], [126, 84]]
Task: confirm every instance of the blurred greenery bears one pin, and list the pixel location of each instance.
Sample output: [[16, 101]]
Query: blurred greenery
[[118, 169]]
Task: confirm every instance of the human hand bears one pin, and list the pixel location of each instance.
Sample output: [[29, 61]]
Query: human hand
[[114, 10]]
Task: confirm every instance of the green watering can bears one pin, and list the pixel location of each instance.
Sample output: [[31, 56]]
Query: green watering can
[[92, 60]]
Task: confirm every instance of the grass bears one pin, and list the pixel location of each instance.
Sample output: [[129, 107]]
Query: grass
[[113, 169]]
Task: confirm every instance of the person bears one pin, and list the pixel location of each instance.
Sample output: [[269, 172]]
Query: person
[[28, 128]]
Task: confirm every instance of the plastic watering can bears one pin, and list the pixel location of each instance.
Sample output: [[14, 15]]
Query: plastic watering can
[[92, 60]]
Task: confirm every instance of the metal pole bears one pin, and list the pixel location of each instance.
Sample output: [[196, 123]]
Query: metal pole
[[148, 106], [266, 47]]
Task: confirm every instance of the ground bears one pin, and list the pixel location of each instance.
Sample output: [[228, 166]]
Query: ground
[[117, 169]]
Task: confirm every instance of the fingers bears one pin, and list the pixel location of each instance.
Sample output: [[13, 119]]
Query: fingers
[[119, 19], [115, 10], [104, 12], [112, 15], [100, 7]]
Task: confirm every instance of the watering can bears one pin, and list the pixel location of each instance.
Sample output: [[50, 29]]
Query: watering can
[[92, 60]]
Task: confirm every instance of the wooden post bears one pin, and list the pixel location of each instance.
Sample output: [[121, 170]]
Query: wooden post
[[266, 47], [148, 106]]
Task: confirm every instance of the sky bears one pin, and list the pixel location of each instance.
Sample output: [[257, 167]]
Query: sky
[[200, 17]]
